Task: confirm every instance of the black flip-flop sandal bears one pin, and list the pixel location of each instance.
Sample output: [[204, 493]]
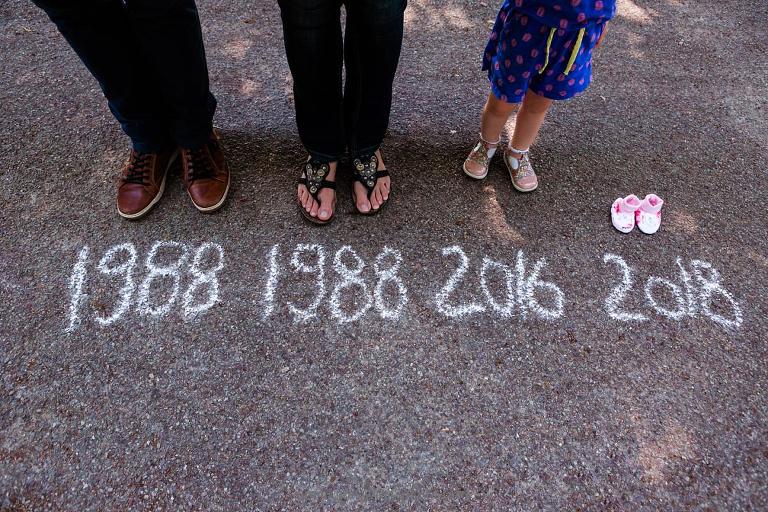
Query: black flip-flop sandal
[[313, 177], [365, 171]]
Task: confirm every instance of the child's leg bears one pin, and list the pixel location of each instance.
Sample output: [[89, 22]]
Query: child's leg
[[529, 121], [495, 115]]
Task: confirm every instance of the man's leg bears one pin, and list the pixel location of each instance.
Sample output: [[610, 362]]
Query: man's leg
[[171, 42], [100, 33], [169, 34]]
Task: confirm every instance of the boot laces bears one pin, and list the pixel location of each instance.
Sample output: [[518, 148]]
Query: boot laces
[[138, 168], [199, 162]]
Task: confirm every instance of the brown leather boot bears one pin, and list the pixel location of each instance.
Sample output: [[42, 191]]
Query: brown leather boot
[[206, 174], [142, 182]]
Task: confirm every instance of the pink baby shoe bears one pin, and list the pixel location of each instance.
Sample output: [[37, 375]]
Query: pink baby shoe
[[648, 217], [623, 213]]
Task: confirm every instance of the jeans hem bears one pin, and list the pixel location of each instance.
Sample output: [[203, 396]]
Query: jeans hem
[[195, 142], [324, 157], [367, 151], [151, 147]]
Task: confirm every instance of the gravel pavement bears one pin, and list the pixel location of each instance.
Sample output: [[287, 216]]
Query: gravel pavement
[[471, 348]]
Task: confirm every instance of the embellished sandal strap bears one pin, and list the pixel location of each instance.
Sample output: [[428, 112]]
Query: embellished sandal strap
[[379, 174], [323, 184], [364, 170], [314, 177]]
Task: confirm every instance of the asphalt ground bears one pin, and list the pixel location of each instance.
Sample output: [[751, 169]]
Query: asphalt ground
[[454, 401]]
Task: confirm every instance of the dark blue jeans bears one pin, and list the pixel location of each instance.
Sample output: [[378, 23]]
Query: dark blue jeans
[[331, 122], [149, 59]]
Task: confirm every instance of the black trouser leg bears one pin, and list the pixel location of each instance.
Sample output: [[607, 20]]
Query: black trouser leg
[[148, 58], [313, 45], [169, 32], [374, 37]]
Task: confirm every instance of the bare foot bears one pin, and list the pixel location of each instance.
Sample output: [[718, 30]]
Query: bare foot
[[380, 193], [327, 196]]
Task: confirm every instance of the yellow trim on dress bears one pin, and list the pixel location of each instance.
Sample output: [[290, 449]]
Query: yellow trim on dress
[[549, 44], [574, 53]]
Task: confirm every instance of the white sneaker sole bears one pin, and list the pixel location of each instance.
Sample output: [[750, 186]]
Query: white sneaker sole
[[139, 214], [216, 206]]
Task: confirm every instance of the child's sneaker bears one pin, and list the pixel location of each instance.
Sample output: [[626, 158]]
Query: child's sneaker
[[623, 213], [479, 160], [521, 171], [648, 217]]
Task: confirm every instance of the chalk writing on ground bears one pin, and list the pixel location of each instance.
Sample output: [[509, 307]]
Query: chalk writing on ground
[[341, 286]]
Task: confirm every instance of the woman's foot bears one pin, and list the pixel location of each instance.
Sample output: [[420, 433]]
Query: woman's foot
[[321, 205], [380, 193], [477, 163]]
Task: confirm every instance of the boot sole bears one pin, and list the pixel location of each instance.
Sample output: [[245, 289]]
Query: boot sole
[[211, 209]]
